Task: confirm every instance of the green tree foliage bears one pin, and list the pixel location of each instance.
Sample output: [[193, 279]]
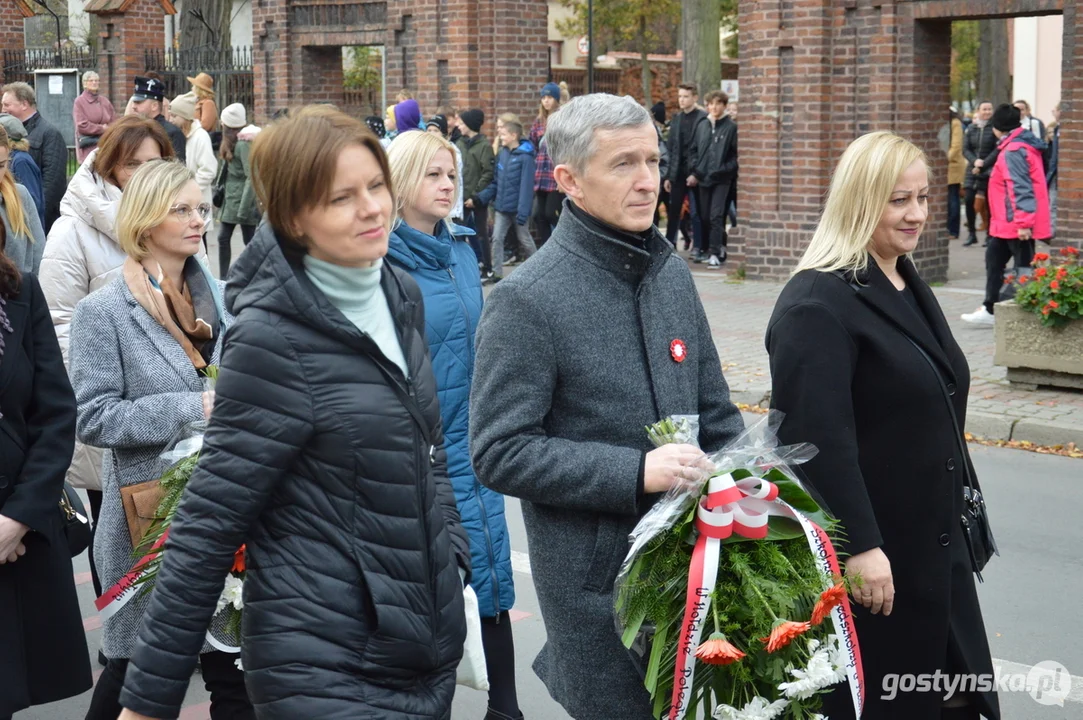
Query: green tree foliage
[[361, 68], [728, 10], [965, 40], [642, 25]]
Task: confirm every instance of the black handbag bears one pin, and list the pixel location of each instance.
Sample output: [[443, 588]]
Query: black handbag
[[218, 192], [74, 521], [977, 532], [88, 141]]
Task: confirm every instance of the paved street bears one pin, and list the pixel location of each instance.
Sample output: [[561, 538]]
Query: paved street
[[1030, 597]]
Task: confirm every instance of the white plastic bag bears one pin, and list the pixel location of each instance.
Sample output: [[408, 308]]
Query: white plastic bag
[[472, 672]]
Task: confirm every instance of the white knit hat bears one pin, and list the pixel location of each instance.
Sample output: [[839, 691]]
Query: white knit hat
[[184, 106], [234, 116]]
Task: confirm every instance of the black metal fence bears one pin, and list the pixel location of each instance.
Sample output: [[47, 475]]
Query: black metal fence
[[19, 65], [231, 70]]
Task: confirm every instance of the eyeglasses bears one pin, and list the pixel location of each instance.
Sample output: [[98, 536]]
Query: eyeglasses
[[184, 213]]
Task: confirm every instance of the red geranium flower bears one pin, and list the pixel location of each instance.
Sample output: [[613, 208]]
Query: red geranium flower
[[1023, 279], [1062, 273], [1008, 279], [1040, 272], [1039, 257], [717, 650], [1054, 286], [238, 561], [828, 599], [1052, 304], [1068, 250], [784, 633]]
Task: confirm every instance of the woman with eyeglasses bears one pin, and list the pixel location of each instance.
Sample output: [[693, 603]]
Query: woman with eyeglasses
[[83, 254], [139, 349]]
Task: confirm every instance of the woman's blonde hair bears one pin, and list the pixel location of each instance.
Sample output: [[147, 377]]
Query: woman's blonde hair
[[13, 204], [409, 157], [146, 201], [860, 190]]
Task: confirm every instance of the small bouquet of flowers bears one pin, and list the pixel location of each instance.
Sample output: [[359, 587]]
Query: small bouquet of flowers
[[182, 458], [746, 556]]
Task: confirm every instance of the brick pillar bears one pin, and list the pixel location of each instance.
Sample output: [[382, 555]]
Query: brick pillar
[[12, 13], [128, 28], [1070, 167], [271, 58]]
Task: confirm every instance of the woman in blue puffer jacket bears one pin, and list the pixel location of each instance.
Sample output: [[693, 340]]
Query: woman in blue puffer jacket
[[439, 257]]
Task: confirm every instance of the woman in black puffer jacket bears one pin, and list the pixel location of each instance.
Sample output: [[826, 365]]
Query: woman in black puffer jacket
[[324, 455]]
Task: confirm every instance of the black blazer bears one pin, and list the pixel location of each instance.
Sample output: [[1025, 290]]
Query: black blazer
[[846, 372], [38, 605]]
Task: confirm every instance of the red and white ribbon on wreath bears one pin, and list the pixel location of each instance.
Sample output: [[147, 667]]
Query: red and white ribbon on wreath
[[125, 589], [744, 507]]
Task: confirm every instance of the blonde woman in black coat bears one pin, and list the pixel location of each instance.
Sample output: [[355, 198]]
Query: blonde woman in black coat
[[865, 368]]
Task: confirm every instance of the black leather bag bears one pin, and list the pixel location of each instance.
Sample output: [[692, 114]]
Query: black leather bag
[[977, 532], [88, 141], [74, 521], [218, 192]]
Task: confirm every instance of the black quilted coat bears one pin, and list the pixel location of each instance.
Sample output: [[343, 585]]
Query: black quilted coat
[[353, 599]]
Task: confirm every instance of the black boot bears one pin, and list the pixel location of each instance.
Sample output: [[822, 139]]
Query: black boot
[[972, 240]]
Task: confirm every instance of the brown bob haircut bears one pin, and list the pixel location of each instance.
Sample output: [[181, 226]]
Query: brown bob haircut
[[121, 142], [717, 95], [294, 161]]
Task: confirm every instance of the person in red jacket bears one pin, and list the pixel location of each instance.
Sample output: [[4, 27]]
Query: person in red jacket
[[1018, 204]]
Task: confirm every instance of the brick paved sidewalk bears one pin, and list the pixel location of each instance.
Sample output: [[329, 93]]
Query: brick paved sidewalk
[[739, 310]]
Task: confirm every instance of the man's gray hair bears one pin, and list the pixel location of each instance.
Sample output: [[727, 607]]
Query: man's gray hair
[[22, 92], [90, 75], [569, 132]]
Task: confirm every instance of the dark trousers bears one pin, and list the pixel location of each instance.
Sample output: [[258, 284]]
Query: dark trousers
[[497, 641], [229, 699], [677, 192], [225, 236], [953, 210], [95, 498], [713, 209], [997, 254], [547, 206], [976, 206], [477, 218]]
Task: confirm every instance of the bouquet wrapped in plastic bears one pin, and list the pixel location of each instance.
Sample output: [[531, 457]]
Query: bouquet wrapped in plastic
[[732, 591], [179, 459]]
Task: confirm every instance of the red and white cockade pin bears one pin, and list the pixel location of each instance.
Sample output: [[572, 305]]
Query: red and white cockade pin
[[678, 350]]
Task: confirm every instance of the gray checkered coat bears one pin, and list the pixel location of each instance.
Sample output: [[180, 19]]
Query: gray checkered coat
[[136, 388]]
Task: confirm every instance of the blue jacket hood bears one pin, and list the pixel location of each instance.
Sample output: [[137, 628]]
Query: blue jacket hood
[[414, 249]]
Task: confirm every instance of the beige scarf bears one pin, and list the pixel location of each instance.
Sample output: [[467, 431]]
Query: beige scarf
[[172, 308]]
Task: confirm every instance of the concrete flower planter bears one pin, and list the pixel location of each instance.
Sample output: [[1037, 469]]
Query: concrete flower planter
[[1034, 354]]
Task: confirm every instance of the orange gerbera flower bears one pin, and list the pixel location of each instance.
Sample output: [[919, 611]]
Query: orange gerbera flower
[[238, 561], [784, 633], [717, 650], [829, 598]]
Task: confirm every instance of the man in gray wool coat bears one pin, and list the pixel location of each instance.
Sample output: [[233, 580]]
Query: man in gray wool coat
[[598, 335]]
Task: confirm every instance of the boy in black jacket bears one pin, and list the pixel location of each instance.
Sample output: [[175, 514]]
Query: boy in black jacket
[[714, 163]]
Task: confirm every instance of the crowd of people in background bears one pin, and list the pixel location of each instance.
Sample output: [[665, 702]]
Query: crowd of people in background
[[1002, 163]]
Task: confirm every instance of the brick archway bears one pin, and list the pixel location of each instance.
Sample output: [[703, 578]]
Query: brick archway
[[815, 75], [487, 53]]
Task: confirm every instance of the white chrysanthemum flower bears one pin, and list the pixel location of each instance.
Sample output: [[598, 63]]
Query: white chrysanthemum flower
[[240, 667], [231, 594], [823, 670], [757, 709]]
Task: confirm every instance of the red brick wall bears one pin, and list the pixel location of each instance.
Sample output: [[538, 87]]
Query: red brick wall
[[11, 29], [487, 53], [124, 37], [816, 74]]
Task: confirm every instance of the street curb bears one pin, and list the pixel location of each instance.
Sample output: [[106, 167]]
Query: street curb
[[990, 426], [1047, 432]]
